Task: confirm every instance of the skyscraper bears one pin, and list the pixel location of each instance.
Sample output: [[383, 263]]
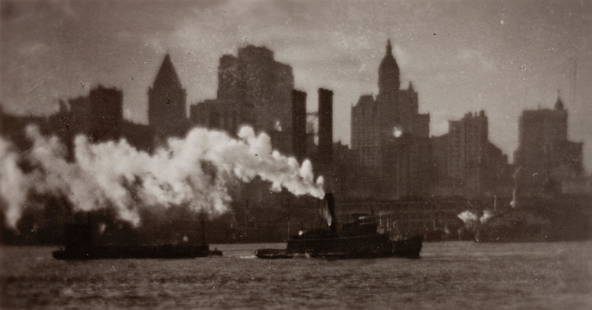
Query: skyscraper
[[386, 130], [545, 154], [167, 110], [389, 80], [467, 163], [258, 90]]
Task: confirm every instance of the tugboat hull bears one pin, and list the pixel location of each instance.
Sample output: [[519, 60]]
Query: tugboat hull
[[359, 239]]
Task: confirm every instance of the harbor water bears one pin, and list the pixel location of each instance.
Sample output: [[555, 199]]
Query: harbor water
[[450, 275]]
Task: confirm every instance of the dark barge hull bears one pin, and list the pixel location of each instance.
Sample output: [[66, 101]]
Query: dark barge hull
[[122, 252]]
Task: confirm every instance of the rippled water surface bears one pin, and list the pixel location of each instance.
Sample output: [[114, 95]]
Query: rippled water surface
[[449, 275]]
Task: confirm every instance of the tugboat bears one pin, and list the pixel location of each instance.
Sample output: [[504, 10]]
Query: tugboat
[[79, 245], [358, 239]]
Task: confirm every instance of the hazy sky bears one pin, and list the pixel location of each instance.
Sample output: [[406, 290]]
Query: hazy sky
[[500, 56]]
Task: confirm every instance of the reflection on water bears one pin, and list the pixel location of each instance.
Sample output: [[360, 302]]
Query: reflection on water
[[450, 275]]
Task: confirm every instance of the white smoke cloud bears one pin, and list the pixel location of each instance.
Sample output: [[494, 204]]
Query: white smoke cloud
[[468, 217], [12, 179], [487, 215], [191, 171], [397, 131]]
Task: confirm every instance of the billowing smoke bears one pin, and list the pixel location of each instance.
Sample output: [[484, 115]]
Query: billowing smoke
[[397, 131], [468, 217], [12, 181], [192, 171], [487, 214]]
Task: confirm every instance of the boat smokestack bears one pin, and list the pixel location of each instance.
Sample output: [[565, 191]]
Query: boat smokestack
[[330, 201]]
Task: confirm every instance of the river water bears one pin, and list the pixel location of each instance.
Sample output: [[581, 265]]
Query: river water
[[450, 275]]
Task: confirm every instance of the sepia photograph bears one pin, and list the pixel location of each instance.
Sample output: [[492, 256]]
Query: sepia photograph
[[296, 154]]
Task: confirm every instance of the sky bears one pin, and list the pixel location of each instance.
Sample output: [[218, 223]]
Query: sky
[[462, 55]]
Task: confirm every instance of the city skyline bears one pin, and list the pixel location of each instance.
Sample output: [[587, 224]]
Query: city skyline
[[451, 65]]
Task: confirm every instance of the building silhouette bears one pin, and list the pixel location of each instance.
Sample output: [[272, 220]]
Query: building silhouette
[[391, 138], [466, 163], [254, 89], [545, 155], [220, 114], [391, 162], [106, 114], [167, 108], [325, 149], [98, 115]]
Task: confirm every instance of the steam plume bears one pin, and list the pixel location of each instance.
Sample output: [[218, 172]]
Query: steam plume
[[487, 214], [11, 180], [191, 171], [468, 217], [515, 192]]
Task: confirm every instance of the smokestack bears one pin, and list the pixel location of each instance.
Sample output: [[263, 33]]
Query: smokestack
[[299, 123], [330, 201], [202, 219], [325, 126]]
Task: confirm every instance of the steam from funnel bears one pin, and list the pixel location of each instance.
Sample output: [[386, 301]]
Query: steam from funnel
[[468, 217], [328, 211], [192, 171], [12, 181], [397, 131], [487, 214], [516, 176], [277, 125]]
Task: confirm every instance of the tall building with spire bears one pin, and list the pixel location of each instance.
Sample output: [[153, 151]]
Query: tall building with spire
[[545, 154], [167, 109], [388, 73], [390, 137]]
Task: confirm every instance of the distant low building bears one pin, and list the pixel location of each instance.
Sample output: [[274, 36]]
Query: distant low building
[[220, 114]]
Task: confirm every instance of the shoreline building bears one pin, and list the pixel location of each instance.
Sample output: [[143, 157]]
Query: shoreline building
[[545, 155], [390, 138]]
